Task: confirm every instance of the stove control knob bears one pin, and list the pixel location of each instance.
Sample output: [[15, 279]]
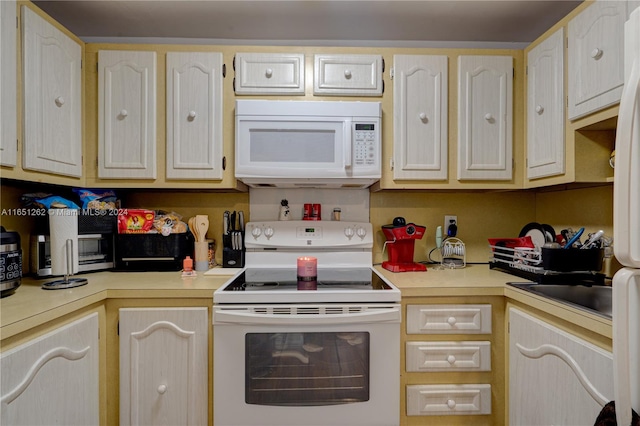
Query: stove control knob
[[361, 232], [268, 232], [348, 232], [256, 232]]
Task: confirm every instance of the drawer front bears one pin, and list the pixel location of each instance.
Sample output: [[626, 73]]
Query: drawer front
[[438, 400], [269, 74], [449, 319], [358, 75], [448, 356]]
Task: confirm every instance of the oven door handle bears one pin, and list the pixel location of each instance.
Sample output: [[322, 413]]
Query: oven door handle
[[250, 318]]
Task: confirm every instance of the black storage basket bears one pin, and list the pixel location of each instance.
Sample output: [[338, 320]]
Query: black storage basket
[[569, 260]]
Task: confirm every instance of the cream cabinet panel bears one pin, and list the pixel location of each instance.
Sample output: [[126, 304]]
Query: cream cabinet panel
[[348, 75], [164, 366], [439, 400], [596, 57], [8, 84], [545, 108], [485, 117], [52, 67], [126, 114], [449, 319], [448, 356], [543, 360], [420, 117], [53, 379], [269, 74], [194, 115]]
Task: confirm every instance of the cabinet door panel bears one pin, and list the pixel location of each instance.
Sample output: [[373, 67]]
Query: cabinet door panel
[[54, 378], [194, 115], [269, 74], [8, 84], [127, 114], [348, 75], [485, 117], [545, 108], [163, 366], [52, 98], [420, 117]]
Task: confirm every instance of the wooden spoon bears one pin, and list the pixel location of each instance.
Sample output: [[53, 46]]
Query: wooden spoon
[[202, 225]]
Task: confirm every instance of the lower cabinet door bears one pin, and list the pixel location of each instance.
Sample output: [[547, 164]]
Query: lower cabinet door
[[438, 400], [163, 366], [53, 379]]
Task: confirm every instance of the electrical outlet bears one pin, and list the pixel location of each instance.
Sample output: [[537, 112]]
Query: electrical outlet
[[448, 220]]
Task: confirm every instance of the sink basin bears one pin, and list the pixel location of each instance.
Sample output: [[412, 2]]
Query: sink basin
[[595, 299]]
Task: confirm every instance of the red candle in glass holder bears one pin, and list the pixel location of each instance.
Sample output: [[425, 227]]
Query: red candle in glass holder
[[307, 273]]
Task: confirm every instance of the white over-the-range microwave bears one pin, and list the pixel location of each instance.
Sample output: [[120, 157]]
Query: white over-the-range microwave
[[298, 144]]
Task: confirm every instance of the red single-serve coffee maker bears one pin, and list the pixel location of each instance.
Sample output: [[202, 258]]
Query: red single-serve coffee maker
[[400, 243]]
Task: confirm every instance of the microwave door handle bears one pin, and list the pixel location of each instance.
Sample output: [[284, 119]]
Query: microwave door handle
[[348, 143]]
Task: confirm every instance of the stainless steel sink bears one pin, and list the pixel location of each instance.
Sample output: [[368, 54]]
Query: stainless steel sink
[[595, 299]]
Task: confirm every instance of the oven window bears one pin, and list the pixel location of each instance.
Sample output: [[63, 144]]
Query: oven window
[[302, 369]]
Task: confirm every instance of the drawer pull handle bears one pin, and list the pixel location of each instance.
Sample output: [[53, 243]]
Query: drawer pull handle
[[596, 53], [347, 74], [451, 321], [451, 359], [268, 72], [59, 101], [451, 404], [162, 389], [539, 109]]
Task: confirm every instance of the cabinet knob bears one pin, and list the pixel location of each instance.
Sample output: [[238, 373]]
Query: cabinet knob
[[423, 116], [451, 359], [451, 320], [268, 72], [124, 113], [192, 116], [451, 403], [347, 73], [488, 117], [162, 389], [59, 101], [596, 53], [539, 109]]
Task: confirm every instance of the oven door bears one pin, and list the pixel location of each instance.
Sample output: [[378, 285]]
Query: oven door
[[307, 364]]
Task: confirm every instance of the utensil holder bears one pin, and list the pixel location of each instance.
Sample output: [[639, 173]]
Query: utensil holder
[[201, 255]]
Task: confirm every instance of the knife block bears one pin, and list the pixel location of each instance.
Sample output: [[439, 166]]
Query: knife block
[[232, 258]]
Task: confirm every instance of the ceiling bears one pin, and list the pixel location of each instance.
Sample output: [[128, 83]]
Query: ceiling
[[300, 22]]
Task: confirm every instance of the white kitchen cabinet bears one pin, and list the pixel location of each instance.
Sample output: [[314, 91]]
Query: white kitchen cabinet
[[554, 377], [448, 356], [269, 74], [596, 57], [53, 379], [52, 77], [8, 84], [485, 117], [348, 75], [194, 115], [545, 108], [420, 106], [126, 114], [448, 400], [449, 319], [164, 366]]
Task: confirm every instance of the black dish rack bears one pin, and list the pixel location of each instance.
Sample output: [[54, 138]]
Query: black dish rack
[[549, 265]]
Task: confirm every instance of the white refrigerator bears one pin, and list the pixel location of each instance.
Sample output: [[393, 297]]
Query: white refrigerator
[[626, 230]]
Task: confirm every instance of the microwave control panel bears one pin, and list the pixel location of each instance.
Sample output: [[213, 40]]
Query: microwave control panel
[[365, 144]]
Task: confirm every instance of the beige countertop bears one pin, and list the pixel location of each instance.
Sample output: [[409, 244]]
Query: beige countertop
[[32, 306]]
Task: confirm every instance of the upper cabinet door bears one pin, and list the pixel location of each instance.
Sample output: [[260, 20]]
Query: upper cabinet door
[[420, 117], [194, 115], [52, 98], [596, 61], [545, 109], [269, 74], [8, 84], [485, 117], [126, 114], [348, 75]]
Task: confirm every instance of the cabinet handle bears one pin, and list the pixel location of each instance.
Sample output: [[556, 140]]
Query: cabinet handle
[[488, 117], [192, 116], [451, 359], [451, 404], [451, 320], [423, 117], [268, 72], [162, 389], [347, 74], [596, 53], [124, 113], [539, 109], [59, 101]]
